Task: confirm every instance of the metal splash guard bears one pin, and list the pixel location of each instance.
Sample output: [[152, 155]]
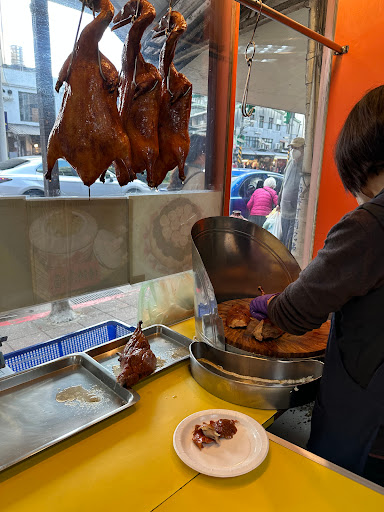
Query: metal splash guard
[[231, 258]]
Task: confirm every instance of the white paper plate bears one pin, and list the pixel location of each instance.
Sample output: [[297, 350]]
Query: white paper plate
[[233, 457]]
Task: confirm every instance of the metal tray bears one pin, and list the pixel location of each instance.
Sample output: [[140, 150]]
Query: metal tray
[[168, 346], [31, 419], [248, 380]]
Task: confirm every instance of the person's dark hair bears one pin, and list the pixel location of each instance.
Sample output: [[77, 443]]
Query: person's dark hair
[[359, 151], [196, 147]]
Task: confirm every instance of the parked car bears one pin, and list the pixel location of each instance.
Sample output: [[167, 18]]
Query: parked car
[[239, 171], [24, 176], [243, 186]]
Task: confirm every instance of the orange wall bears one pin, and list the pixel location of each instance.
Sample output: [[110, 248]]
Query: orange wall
[[359, 24]]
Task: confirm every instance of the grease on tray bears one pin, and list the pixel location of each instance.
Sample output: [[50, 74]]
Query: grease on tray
[[77, 393]]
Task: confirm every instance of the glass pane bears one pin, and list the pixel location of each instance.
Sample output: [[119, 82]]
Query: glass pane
[[269, 145], [132, 232]]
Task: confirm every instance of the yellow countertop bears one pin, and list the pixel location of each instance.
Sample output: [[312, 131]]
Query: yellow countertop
[[128, 462], [285, 481]]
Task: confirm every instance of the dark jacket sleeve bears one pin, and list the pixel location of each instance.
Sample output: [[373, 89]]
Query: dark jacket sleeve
[[349, 265]]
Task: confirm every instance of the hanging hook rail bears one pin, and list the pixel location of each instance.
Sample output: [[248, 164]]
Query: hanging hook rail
[[254, 5], [249, 60]]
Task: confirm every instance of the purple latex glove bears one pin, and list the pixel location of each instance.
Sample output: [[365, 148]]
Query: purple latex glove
[[259, 306]]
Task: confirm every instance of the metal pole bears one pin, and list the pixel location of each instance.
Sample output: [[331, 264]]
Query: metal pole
[[44, 86], [254, 5]]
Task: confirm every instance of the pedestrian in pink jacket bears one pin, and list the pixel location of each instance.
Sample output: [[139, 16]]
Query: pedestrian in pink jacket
[[262, 202]]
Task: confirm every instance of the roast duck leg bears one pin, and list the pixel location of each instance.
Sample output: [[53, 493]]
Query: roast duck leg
[[88, 131], [140, 88], [137, 360], [175, 107]]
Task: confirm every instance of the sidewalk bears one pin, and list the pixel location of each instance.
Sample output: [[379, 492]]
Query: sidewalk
[[31, 325]]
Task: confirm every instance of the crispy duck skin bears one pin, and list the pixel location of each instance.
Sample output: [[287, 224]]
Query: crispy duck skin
[[140, 89], [88, 131], [222, 429], [175, 108], [238, 315], [265, 330], [137, 360], [199, 438]]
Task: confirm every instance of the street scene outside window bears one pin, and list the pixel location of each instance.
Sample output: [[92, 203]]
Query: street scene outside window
[[265, 156], [268, 145]]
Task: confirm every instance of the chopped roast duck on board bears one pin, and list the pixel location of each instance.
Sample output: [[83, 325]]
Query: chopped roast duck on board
[[175, 108], [88, 131], [140, 89]]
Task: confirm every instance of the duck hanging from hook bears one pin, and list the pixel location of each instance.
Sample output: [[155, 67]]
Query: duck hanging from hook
[[90, 142], [140, 88], [176, 100]]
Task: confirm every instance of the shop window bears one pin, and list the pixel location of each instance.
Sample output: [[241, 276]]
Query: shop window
[[250, 142], [126, 234]]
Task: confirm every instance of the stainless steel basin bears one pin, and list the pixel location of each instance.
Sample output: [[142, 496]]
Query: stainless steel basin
[[254, 381]]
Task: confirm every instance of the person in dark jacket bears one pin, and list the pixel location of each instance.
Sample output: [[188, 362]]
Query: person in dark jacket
[[347, 279], [262, 202], [289, 195]]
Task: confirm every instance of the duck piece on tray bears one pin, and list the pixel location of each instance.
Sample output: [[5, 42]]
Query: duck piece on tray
[[88, 131], [140, 88], [137, 360], [176, 98]]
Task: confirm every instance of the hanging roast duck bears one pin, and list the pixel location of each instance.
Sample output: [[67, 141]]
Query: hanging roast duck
[[140, 89], [88, 131], [176, 99]]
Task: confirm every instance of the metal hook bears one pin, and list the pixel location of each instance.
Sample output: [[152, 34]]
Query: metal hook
[[74, 45], [135, 16], [169, 17], [98, 51], [168, 89], [249, 60], [245, 94], [134, 73]]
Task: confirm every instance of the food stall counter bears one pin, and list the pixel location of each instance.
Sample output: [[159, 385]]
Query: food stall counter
[[288, 479], [128, 460]]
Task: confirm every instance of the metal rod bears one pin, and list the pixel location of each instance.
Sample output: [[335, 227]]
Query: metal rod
[[254, 5]]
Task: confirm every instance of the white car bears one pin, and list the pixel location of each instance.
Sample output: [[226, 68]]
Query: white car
[[24, 176]]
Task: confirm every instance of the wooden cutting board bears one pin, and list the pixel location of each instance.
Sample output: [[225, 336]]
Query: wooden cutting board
[[311, 344]]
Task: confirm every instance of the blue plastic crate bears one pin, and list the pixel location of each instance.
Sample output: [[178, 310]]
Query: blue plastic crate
[[74, 342]]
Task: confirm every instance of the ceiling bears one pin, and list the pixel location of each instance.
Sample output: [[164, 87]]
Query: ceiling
[[278, 72]]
